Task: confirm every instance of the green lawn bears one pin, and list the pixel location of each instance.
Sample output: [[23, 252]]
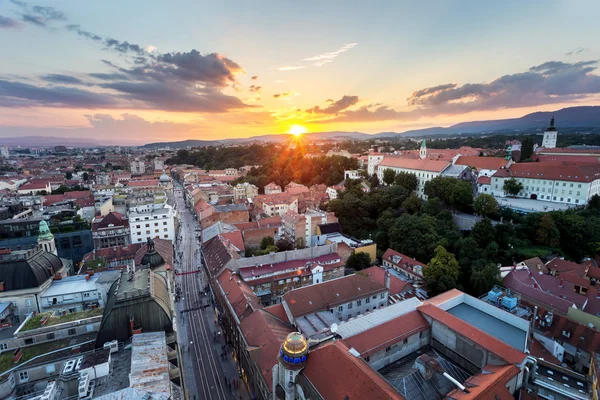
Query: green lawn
[[35, 321], [93, 264], [6, 359]]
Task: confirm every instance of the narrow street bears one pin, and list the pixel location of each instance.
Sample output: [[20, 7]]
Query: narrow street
[[209, 371]]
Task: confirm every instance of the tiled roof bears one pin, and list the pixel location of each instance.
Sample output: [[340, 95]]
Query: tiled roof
[[215, 255], [114, 253], [264, 334], [579, 336], [278, 311], [573, 173], [407, 263], [163, 247], [536, 265], [377, 274], [488, 384], [496, 346], [388, 333], [336, 374], [417, 165], [113, 218], [242, 299], [569, 159], [321, 296], [482, 162], [258, 270], [559, 265], [143, 183], [484, 180], [235, 238]]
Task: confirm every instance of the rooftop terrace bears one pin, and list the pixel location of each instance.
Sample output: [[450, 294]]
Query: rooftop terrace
[[35, 321]]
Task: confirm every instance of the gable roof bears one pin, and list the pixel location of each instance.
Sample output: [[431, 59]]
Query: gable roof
[[417, 165], [242, 299], [490, 383], [357, 381], [482, 162], [216, 256], [538, 170], [321, 296], [377, 274], [112, 218], [512, 281]]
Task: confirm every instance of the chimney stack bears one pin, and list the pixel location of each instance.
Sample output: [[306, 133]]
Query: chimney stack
[[561, 283], [387, 279]]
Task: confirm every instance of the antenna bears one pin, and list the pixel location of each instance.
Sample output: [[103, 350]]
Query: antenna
[[334, 328]]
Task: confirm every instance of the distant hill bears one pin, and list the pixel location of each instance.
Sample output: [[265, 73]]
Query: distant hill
[[46, 141], [184, 143], [571, 117]]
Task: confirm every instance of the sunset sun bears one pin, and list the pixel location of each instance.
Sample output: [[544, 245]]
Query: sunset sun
[[297, 130]]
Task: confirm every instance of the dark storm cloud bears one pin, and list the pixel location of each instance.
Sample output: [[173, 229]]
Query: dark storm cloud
[[65, 79], [335, 107]]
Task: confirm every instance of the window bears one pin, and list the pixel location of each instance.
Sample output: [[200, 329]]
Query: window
[[382, 295], [367, 300], [166, 229], [405, 341], [72, 332], [349, 306], [137, 226], [388, 349], [368, 358], [147, 225], [374, 297], [50, 336], [28, 341], [340, 308], [358, 303], [156, 231], [86, 294], [23, 376], [3, 346], [28, 303]]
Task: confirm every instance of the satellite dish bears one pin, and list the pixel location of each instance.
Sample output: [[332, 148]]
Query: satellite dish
[[334, 328]]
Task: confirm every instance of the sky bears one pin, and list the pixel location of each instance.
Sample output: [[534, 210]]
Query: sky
[[133, 72]]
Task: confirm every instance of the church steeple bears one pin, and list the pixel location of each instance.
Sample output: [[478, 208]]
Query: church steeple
[[423, 150], [46, 239], [550, 135]]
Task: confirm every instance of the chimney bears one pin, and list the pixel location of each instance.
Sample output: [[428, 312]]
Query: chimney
[[1, 286], [386, 279], [535, 285], [561, 283], [530, 274], [131, 323]]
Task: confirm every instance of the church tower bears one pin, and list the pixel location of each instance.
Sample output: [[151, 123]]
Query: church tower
[[292, 359], [550, 136], [423, 151], [46, 239]]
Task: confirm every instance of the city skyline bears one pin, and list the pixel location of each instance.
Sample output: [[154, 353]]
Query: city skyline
[[145, 72]]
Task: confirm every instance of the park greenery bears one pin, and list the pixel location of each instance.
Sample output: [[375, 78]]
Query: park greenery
[[395, 218]]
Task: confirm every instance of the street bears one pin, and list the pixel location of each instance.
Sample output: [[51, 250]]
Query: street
[[209, 371]]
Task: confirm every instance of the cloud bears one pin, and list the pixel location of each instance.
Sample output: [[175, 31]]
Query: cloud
[[285, 94], [547, 83], [39, 15], [49, 13], [334, 107], [326, 58], [17, 94], [7, 23], [254, 77], [575, 51], [291, 68], [65, 79], [34, 19], [150, 49], [255, 88], [82, 32], [123, 47]]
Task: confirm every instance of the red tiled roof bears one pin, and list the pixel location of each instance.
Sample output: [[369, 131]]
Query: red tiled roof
[[247, 272], [533, 170], [420, 164], [321, 296], [407, 263], [482, 162], [148, 182], [242, 299], [235, 238], [487, 385], [444, 297], [580, 336], [264, 334], [484, 180], [539, 351], [278, 311], [114, 253], [163, 247], [81, 198], [357, 380], [570, 159], [112, 218], [377, 273], [559, 265], [496, 346], [388, 333]]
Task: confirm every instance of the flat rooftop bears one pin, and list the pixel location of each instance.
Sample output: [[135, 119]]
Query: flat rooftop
[[71, 284], [491, 325], [149, 363], [410, 383]]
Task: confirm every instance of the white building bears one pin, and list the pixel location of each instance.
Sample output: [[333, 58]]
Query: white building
[[158, 164], [424, 169], [550, 136], [373, 161], [72, 294], [352, 174], [151, 221], [137, 167], [4, 152], [332, 191], [574, 184]]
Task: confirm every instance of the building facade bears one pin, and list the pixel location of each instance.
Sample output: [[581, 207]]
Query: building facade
[[151, 221], [424, 169]]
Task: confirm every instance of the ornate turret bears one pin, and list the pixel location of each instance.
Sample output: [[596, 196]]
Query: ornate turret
[[294, 349], [551, 128], [292, 358], [550, 136], [152, 258], [46, 238]]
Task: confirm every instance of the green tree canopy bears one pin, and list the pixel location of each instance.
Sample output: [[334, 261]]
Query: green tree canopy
[[266, 242], [485, 204], [412, 204], [407, 180], [388, 176], [512, 186], [359, 261], [442, 272], [483, 278], [547, 234], [527, 148], [483, 232], [414, 235]]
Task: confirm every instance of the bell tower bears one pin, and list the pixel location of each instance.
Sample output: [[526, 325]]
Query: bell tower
[[550, 136], [46, 239], [423, 150], [292, 359]]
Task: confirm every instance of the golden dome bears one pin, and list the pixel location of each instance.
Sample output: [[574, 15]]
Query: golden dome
[[295, 345]]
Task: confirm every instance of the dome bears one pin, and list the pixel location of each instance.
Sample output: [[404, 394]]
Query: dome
[[26, 269], [294, 348], [152, 257], [44, 233], [164, 177]]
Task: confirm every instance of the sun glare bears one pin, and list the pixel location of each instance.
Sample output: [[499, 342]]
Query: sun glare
[[297, 130]]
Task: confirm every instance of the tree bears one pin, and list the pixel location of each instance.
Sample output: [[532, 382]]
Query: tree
[[442, 272], [484, 277], [526, 148], [406, 180], [433, 206], [512, 186], [440, 187], [266, 242], [374, 180], [358, 261], [461, 195], [85, 176], [485, 204], [594, 202], [68, 175], [284, 245], [416, 236], [412, 204], [388, 176], [483, 232], [547, 233]]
